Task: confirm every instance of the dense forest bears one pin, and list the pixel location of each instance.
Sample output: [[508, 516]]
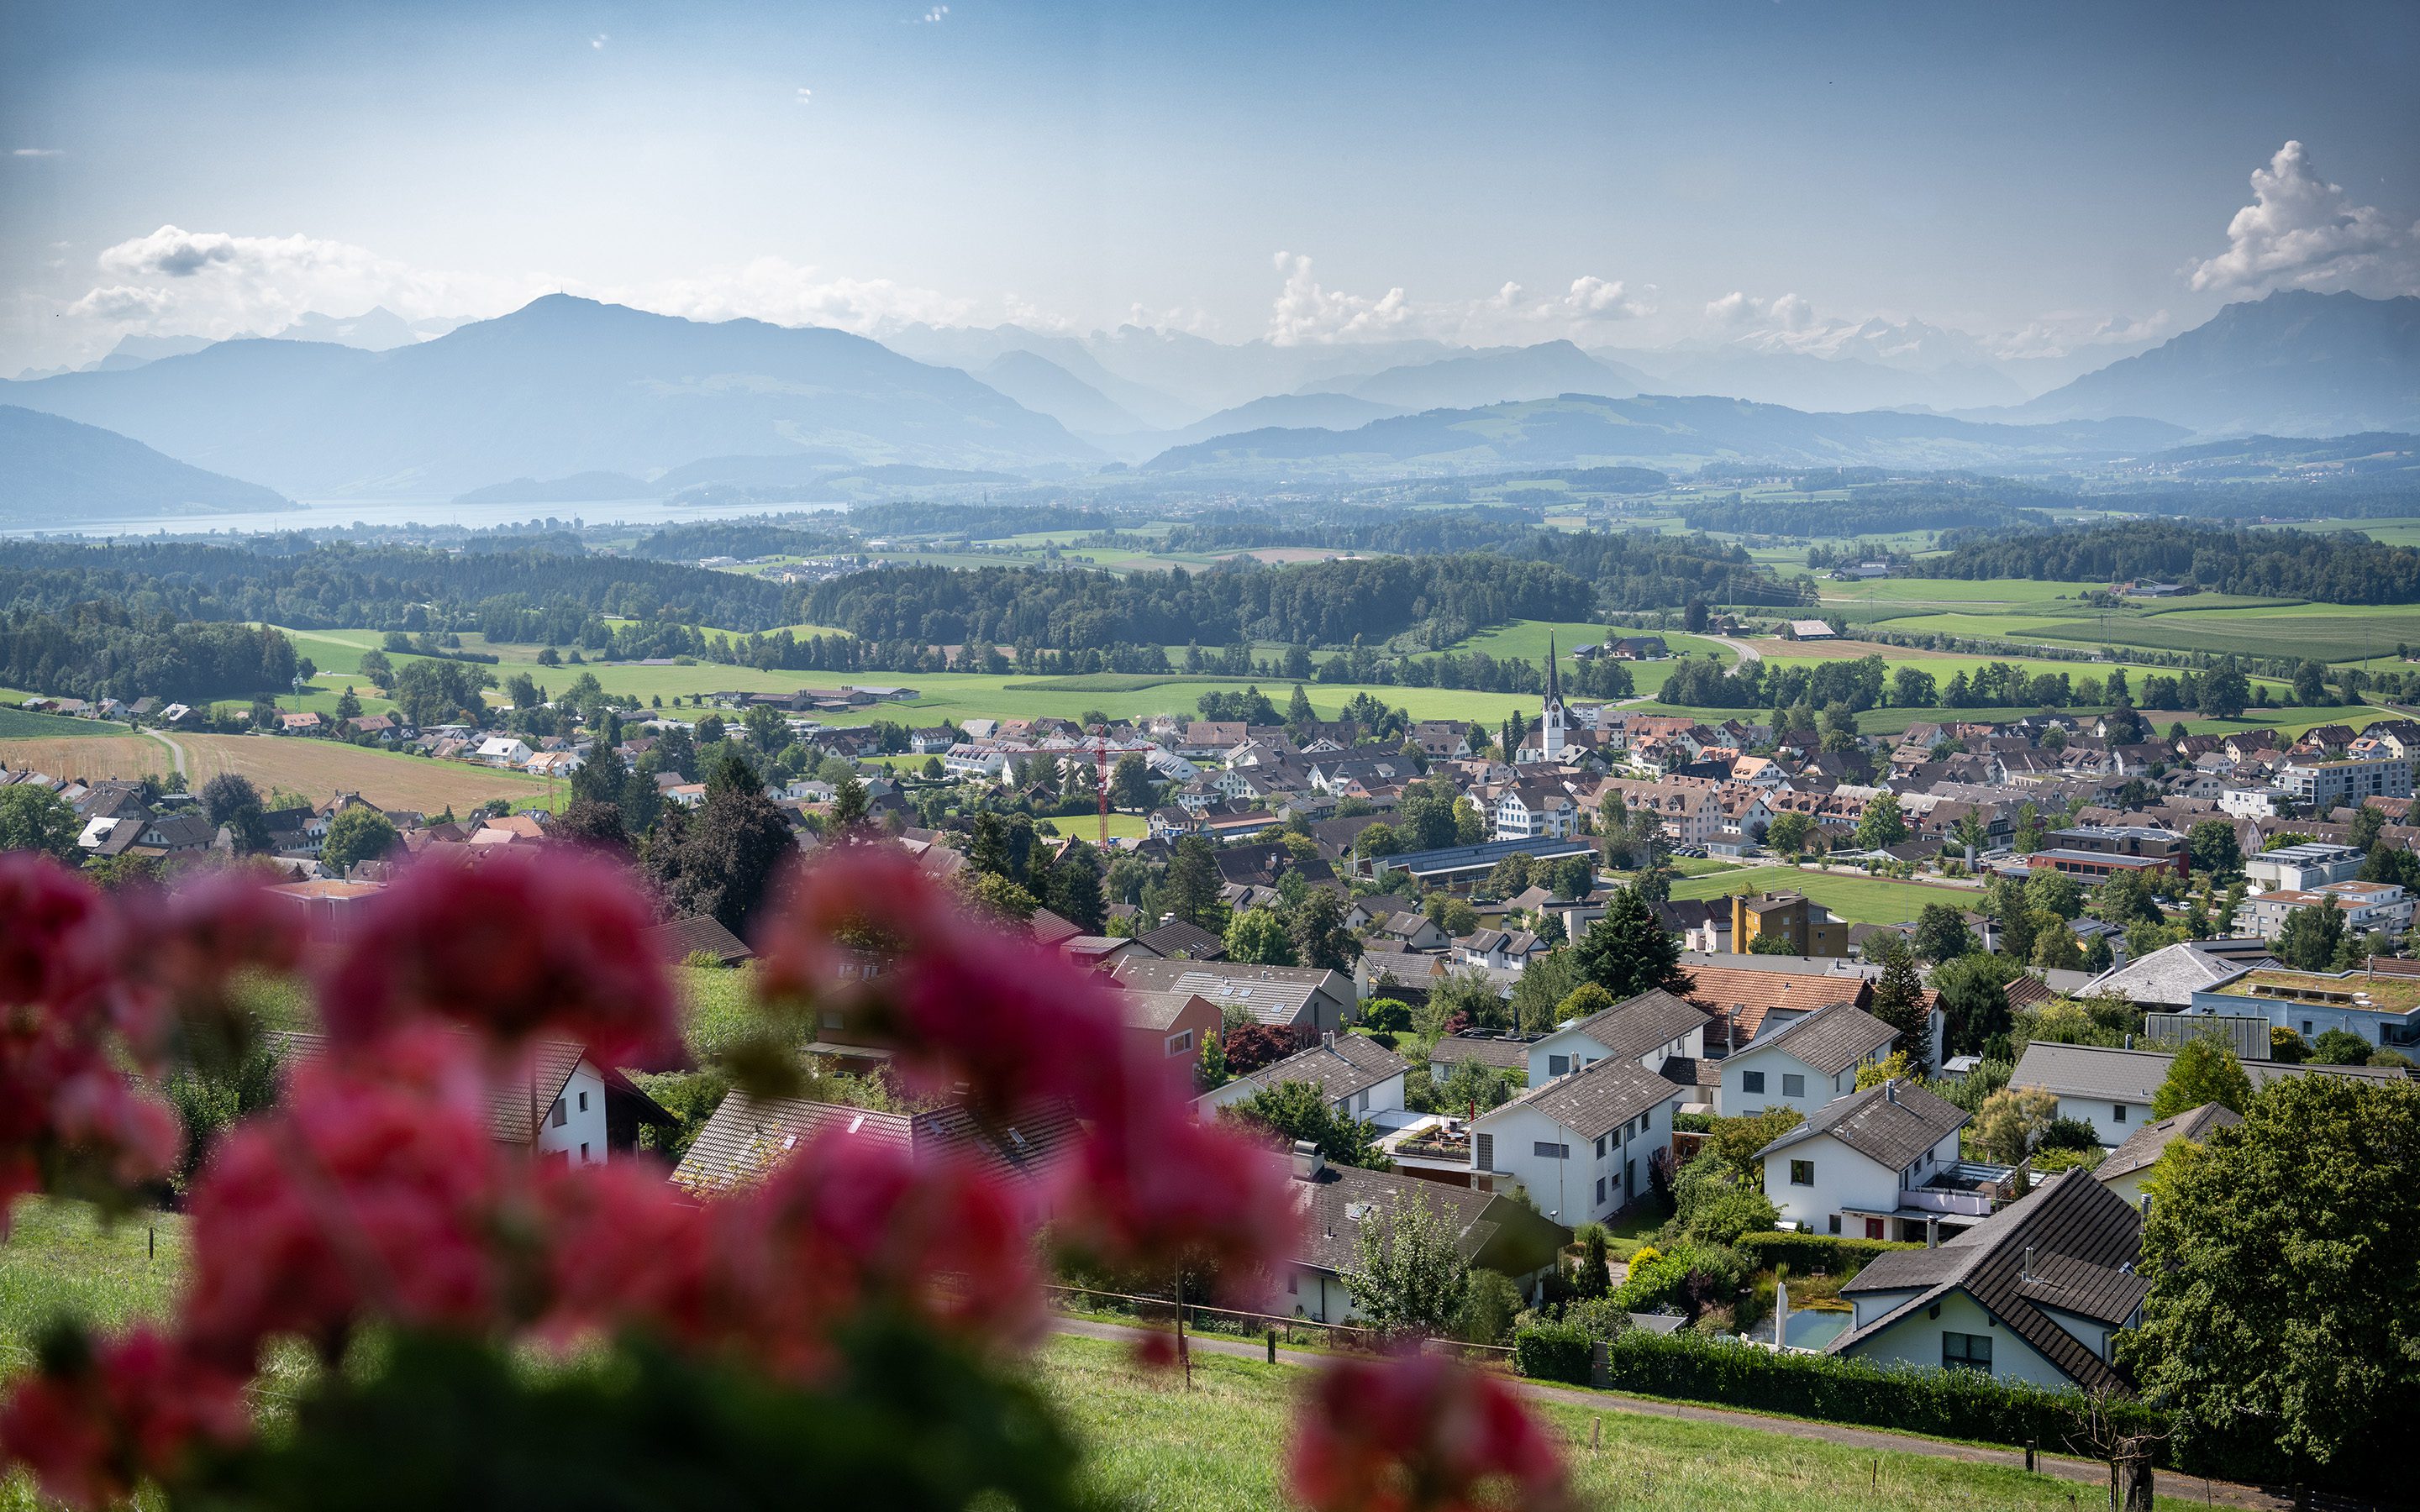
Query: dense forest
[[101, 650], [2333, 569], [291, 581], [1871, 511], [1442, 599], [1636, 569]]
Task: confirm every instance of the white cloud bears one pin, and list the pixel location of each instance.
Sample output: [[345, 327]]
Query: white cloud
[[598, 42], [932, 17], [38, 152], [806, 96], [214, 283], [1306, 311], [2058, 334], [1786, 313], [2301, 231], [792, 294]]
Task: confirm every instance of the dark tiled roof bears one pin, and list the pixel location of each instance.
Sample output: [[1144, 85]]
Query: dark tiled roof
[[2082, 1238], [673, 943], [1488, 1050], [1339, 1068], [2134, 1075], [2144, 1147], [747, 1135], [1890, 1123], [1689, 1071], [1178, 938], [1642, 1024], [1152, 1011], [1596, 1101], [1831, 1039], [1490, 1229]]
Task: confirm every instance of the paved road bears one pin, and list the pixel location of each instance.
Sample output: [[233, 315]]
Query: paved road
[[2060, 1467], [176, 752], [1737, 648]]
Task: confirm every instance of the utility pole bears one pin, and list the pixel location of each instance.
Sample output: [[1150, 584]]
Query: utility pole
[[1101, 777]]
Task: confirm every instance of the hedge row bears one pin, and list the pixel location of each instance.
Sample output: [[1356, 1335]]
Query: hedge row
[[1806, 1254], [1951, 1404]]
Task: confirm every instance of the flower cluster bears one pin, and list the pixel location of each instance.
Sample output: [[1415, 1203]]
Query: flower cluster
[[377, 1194], [1421, 1433]]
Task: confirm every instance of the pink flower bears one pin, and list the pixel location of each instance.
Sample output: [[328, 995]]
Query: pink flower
[[374, 1192], [59, 938], [623, 1247], [1421, 1434], [130, 1411], [196, 940], [1153, 1186], [543, 940]]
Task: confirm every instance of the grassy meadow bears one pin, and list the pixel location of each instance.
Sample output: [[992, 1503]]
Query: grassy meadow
[[1857, 899]]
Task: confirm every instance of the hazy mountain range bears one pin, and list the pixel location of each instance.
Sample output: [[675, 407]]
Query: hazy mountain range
[[523, 405], [52, 463]]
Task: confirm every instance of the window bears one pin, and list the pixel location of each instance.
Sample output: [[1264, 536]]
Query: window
[[1365, 1100], [1967, 1352], [1483, 1151], [1751, 1081], [583, 1101], [584, 1153], [1600, 1190], [1599, 1146], [1179, 1043], [1293, 1284], [1546, 1151], [1558, 1065], [1834, 1223], [1802, 1173], [558, 1117], [2118, 1113], [1793, 1086]]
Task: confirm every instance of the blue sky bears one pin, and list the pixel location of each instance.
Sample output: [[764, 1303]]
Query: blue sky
[[2029, 174]]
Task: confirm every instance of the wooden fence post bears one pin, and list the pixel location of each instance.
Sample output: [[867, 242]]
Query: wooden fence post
[[2130, 1476]]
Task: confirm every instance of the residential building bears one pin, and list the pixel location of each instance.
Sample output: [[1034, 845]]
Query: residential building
[[2301, 868], [1644, 1032], [2038, 1292], [2345, 781], [1529, 811], [1492, 1231], [1809, 927], [1875, 1164], [2382, 1006], [1356, 1075], [2112, 1089], [2124, 1169], [2364, 906], [1805, 1063], [1169, 1025], [1460, 868], [1579, 1145], [1303, 999], [746, 1136]]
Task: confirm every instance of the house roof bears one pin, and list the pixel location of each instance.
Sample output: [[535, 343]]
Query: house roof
[[1596, 1101], [1272, 995], [1831, 1039], [1639, 1026], [1749, 993], [676, 942], [516, 1103], [1489, 1050], [1339, 1067], [1156, 1010], [1890, 1123], [748, 1135], [1177, 939], [2144, 1147], [1050, 929], [1490, 1229], [2084, 1070], [2170, 975], [2066, 1248]]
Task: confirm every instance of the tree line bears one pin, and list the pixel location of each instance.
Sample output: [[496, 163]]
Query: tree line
[[2335, 568], [105, 650]]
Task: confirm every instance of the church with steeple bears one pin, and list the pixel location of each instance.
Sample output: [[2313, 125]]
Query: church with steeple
[[1550, 744]]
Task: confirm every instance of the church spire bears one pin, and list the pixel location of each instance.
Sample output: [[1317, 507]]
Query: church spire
[[1554, 678]]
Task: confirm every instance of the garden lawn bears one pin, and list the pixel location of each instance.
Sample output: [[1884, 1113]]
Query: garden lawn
[[1220, 1446], [62, 1260], [20, 724], [1857, 899]]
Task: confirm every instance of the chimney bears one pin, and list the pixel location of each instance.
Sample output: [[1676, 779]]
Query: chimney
[[1308, 1163], [2027, 1273], [1891, 1089], [1933, 1233], [2144, 1202], [1327, 1037]]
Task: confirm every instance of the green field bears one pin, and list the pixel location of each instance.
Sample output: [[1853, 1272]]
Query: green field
[[1858, 900], [1219, 1444], [17, 724], [2341, 632]]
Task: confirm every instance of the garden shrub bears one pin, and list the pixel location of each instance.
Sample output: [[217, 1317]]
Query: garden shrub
[[1552, 1352], [1805, 1254]]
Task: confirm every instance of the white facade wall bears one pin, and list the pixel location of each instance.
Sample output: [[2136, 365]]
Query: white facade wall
[[579, 1134], [1917, 1341], [1755, 1080], [2112, 1121], [1844, 1184], [1580, 1052], [1566, 1190]]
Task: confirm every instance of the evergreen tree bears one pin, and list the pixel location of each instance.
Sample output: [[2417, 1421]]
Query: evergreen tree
[[1898, 1001], [1627, 952], [1191, 888], [1316, 925], [1075, 889]]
